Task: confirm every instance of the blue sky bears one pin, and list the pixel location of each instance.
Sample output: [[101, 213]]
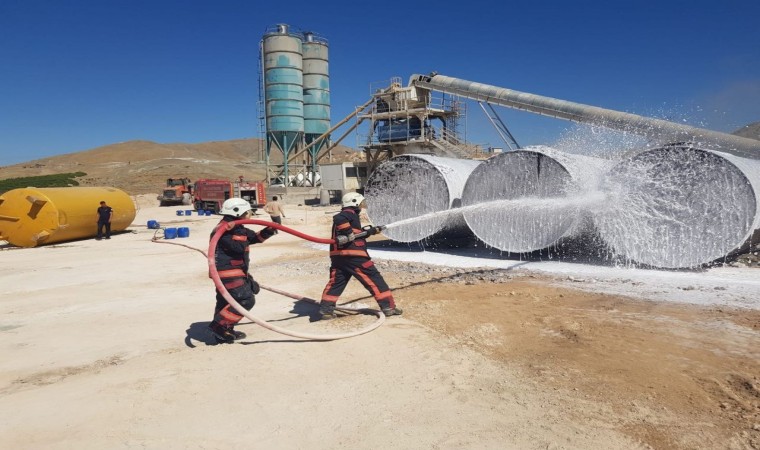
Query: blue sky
[[75, 75]]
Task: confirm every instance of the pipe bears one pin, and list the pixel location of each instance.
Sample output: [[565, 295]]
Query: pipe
[[528, 199], [242, 311], [661, 130], [335, 143], [681, 206], [406, 187], [292, 157]]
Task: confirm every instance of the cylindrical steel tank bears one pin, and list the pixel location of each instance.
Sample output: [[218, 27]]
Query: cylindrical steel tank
[[316, 88], [37, 216], [681, 206], [406, 188], [283, 86], [529, 199]]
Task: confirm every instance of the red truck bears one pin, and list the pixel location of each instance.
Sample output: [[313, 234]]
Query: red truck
[[210, 194], [252, 191]]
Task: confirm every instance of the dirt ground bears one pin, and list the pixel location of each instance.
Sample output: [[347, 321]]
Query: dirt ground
[[105, 346]]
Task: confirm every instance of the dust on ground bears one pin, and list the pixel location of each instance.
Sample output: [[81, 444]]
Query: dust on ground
[[105, 345], [674, 376]]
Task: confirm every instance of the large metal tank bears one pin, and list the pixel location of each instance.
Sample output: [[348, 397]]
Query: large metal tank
[[283, 88], [37, 216], [316, 89], [410, 194], [681, 206], [529, 199]]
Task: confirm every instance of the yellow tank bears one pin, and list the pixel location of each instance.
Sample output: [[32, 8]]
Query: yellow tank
[[38, 216]]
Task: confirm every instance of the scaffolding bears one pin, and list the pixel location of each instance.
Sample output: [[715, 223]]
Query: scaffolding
[[410, 119]]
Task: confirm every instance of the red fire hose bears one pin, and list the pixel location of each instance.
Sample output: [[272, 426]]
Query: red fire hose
[[220, 286]]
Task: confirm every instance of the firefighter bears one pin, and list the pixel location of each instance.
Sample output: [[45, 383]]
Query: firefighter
[[232, 263], [351, 259]]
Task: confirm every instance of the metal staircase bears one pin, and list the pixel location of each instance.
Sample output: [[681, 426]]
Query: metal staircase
[[449, 143]]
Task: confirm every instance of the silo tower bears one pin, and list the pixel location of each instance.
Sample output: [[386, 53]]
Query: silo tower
[[283, 96], [316, 96]]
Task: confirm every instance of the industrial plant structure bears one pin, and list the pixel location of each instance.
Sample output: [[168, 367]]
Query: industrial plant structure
[[295, 102], [689, 199], [408, 127], [411, 120]]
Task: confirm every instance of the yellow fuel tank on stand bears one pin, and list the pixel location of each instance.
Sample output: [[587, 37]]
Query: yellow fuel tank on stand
[[38, 216]]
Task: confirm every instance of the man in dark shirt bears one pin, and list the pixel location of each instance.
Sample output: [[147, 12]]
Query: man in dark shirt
[[104, 220]]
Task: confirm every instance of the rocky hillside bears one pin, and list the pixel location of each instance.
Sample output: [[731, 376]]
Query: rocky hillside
[[141, 167]]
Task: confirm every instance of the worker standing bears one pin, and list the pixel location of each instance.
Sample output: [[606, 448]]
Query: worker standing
[[350, 258], [275, 210], [232, 261], [105, 214]]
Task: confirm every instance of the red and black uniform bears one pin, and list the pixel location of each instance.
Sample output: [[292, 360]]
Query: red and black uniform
[[352, 259], [232, 262]]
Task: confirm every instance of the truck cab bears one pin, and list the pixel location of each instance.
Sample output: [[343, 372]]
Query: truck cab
[[178, 191]]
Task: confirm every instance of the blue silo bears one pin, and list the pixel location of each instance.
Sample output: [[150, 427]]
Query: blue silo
[[316, 93], [283, 91]]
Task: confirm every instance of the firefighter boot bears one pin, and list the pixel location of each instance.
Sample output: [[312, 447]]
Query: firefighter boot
[[238, 334], [222, 334], [392, 311], [327, 310], [388, 307]]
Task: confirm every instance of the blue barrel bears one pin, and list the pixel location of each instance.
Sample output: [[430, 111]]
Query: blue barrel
[[183, 232], [170, 233], [209, 212], [179, 212], [188, 212], [153, 225]]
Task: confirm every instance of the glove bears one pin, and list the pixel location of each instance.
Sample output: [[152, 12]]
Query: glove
[[344, 239], [267, 232], [371, 230], [255, 288]]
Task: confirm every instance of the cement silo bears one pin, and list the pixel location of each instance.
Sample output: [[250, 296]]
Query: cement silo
[[529, 199], [316, 94], [412, 193], [283, 91], [681, 206]]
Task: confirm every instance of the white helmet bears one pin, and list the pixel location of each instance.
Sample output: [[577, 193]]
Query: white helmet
[[235, 207], [353, 199]]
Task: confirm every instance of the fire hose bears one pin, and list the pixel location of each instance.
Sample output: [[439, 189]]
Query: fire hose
[[214, 274]]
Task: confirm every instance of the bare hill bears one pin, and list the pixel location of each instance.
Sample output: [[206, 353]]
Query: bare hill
[[751, 131], [141, 167]]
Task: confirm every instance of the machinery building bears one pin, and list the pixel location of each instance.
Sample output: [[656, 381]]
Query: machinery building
[[409, 119]]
